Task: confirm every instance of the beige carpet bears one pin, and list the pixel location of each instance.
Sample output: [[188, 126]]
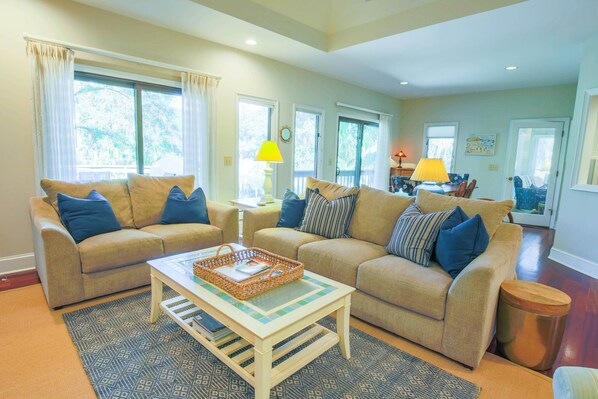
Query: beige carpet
[[39, 360]]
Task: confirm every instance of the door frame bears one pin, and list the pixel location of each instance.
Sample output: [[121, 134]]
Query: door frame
[[560, 166]]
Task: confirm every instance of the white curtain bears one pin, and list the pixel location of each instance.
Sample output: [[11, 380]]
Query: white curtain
[[382, 167], [53, 78], [199, 129]]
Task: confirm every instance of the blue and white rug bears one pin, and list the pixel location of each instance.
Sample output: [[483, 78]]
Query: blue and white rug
[[127, 357]]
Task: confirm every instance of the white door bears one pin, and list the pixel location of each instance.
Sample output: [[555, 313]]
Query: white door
[[532, 165]]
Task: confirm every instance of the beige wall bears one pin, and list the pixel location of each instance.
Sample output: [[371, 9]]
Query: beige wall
[[242, 73], [488, 112]]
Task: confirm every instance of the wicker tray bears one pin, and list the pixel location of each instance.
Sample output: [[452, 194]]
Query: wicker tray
[[205, 269]]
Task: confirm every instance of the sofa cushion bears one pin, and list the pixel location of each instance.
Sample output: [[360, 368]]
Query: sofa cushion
[[119, 248], [375, 215], [327, 218], [339, 259], [148, 195], [283, 241], [491, 212], [291, 211], [87, 217], [330, 190], [401, 282], [115, 191], [180, 209], [185, 237]]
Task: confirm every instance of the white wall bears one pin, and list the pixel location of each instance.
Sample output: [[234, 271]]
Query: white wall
[[576, 236], [479, 113], [242, 73]]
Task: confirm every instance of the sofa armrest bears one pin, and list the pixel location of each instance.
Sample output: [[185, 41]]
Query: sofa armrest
[[226, 218], [472, 298], [56, 256], [258, 219]]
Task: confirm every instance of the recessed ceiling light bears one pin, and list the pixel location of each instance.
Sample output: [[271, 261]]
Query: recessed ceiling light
[[511, 68], [250, 42], [403, 82]]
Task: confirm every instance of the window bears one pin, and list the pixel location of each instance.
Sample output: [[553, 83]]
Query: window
[[440, 142], [356, 151], [255, 125], [125, 126], [306, 143]]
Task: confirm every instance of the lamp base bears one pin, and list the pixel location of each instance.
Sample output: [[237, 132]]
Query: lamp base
[[428, 186], [266, 199]]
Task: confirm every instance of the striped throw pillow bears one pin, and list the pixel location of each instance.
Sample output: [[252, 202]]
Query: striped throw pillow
[[415, 234], [329, 219]]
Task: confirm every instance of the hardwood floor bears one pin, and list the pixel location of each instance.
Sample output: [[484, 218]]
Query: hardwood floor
[[580, 341]]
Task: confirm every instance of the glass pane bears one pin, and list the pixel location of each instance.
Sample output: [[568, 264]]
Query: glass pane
[[162, 133], [105, 129], [369, 147], [533, 164], [305, 163], [442, 148], [441, 131], [254, 129], [346, 158]]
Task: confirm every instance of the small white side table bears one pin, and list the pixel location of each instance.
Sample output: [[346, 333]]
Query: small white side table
[[250, 203]]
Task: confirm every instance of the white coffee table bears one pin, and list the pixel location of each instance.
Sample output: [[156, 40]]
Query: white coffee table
[[261, 322]]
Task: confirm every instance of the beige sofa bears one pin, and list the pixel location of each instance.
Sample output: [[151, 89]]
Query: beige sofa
[[116, 261], [423, 304]]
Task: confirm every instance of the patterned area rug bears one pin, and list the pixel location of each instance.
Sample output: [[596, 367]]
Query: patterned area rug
[[127, 357]]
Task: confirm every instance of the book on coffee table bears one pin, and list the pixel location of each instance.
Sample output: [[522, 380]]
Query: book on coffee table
[[211, 328], [245, 269]]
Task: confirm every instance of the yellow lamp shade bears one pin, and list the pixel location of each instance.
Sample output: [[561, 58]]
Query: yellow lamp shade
[[269, 152], [430, 169]]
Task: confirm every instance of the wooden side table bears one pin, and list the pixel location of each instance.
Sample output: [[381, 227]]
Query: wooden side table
[[531, 322], [401, 171]]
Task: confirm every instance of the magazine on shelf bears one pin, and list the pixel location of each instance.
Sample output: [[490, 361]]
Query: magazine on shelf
[[244, 269], [211, 328]]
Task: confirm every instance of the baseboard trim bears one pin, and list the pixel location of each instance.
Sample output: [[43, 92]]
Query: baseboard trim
[[574, 262], [17, 263]]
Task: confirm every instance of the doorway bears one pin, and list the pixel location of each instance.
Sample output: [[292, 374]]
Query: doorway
[[357, 147], [534, 162]]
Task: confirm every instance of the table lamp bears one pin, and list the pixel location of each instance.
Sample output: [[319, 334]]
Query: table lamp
[[270, 153], [400, 155], [430, 171]]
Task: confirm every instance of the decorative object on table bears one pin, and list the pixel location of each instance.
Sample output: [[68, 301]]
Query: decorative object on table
[[329, 219], [180, 209], [400, 155], [269, 153], [292, 210], [285, 134], [283, 271], [531, 322], [168, 361], [87, 217], [480, 144], [430, 171], [415, 233], [469, 189], [461, 239]]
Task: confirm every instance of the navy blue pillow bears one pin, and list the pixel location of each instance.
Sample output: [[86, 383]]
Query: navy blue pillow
[[87, 217], [292, 210], [180, 209], [460, 241]]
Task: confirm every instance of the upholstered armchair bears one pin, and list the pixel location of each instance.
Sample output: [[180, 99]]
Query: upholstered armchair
[[528, 198], [458, 179], [398, 183]]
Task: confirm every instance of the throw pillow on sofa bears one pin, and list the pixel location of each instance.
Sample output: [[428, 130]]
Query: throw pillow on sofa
[[86, 217], [180, 209], [291, 212], [415, 233], [461, 240], [329, 219]]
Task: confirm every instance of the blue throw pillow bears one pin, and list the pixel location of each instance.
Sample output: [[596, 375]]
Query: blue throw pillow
[[87, 217], [460, 241], [180, 209], [415, 233], [291, 212], [327, 218]]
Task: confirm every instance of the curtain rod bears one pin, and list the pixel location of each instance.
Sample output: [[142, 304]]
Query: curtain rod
[[120, 56], [340, 104]]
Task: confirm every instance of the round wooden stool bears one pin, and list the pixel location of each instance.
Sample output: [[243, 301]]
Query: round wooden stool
[[531, 322]]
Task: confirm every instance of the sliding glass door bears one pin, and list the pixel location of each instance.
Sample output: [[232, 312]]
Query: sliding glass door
[[356, 151]]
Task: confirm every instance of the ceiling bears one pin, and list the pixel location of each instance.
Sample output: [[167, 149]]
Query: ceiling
[[439, 46]]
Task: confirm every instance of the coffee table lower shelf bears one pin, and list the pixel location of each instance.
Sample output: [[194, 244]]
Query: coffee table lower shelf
[[239, 352]]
